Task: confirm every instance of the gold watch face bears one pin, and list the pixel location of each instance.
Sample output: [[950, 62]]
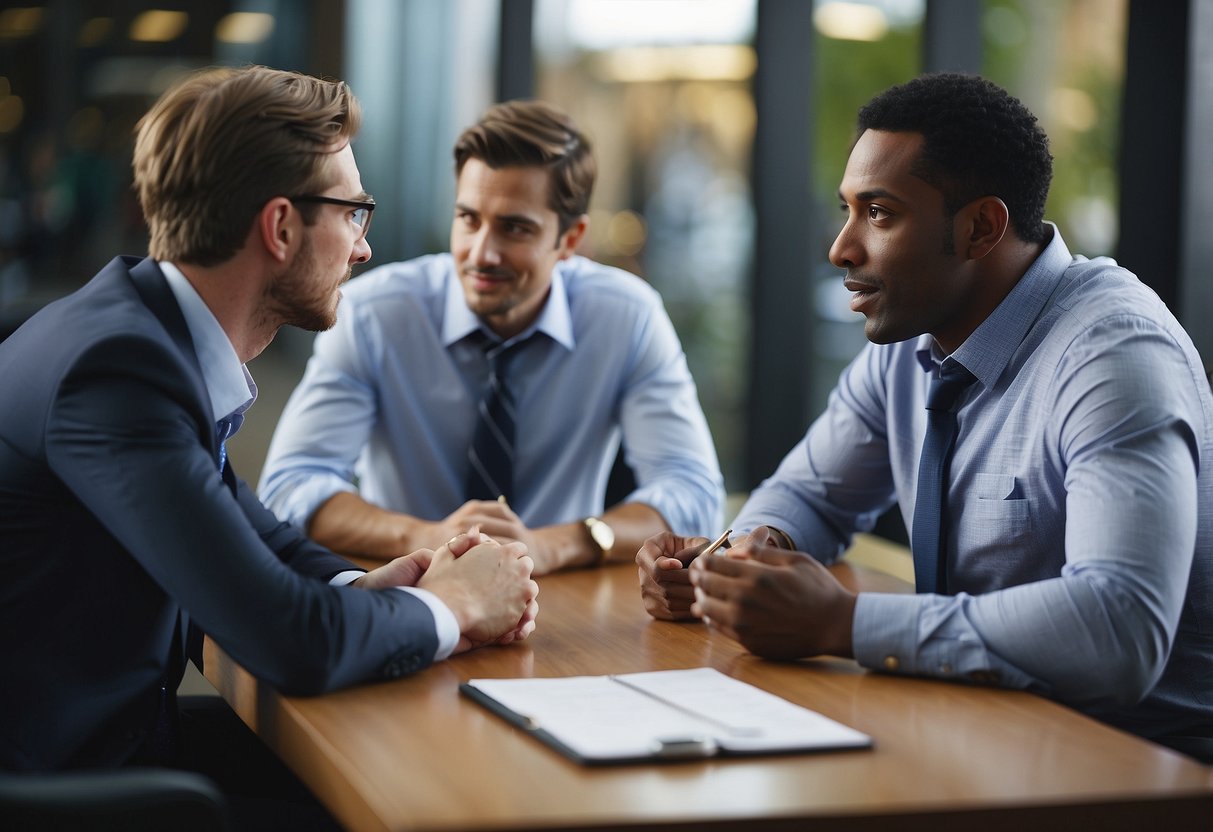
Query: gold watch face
[[602, 534]]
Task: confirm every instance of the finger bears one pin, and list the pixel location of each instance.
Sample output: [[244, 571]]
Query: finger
[[487, 508], [681, 593], [778, 557], [673, 575], [461, 543], [730, 566], [716, 613], [726, 586], [500, 528], [422, 557]]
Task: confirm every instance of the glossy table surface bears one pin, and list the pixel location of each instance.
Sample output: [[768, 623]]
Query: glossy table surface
[[415, 754]]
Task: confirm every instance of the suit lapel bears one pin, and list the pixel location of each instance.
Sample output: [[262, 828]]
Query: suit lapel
[[158, 297], [155, 293], [153, 289]]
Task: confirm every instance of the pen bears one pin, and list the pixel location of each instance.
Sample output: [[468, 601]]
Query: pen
[[717, 543], [501, 499]]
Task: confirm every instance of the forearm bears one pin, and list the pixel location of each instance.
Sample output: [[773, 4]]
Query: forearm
[[348, 524], [1082, 639], [633, 524], [569, 545]]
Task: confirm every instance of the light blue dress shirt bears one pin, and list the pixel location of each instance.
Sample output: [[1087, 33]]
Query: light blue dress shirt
[[232, 392], [1080, 501], [387, 405]]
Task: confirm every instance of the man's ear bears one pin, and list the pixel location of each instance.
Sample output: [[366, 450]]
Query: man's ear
[[572, 237], [986, 220], [278, 228]]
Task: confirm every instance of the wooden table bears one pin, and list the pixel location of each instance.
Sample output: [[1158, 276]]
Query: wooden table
[[414, 754]]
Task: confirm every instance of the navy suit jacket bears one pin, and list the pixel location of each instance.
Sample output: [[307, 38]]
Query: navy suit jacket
[[116, 529]]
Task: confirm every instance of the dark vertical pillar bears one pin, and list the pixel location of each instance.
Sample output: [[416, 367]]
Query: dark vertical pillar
[[1196, 200], [951, 36], [781, 319], [1152, 122], [515, 50]]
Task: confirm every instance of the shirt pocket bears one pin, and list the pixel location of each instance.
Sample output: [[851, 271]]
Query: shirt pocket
[[995, 514]]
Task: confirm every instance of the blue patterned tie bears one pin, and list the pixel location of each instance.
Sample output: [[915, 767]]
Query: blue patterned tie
[[491, 454], [929, 538]]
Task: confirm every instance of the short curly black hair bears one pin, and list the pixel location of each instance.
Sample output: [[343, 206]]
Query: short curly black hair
[[979, 140]]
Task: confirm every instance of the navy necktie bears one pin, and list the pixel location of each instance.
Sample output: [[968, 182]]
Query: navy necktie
[[491, 454], [223, 429], [929, 537]]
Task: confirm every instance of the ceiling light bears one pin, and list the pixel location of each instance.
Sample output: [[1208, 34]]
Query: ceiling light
[[850, 21], [244, 27], [159, 26]]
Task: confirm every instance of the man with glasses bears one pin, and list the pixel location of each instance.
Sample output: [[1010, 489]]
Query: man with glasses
[[124, 531], [493, 385]]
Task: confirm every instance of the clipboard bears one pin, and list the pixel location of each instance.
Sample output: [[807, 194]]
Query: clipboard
[[659, 716]]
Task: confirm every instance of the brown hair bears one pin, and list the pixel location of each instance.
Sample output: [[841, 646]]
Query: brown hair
[[528, 133], [222, 142]]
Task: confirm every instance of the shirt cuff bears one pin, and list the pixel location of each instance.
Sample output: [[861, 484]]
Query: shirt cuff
[[445, 625], [884, 631], [346, 578]]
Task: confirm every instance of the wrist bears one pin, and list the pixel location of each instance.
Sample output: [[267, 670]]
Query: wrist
[[403, 533], [844, 620], [782, 539], [601, 539]]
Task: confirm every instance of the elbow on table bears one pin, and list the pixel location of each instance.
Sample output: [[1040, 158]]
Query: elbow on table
[[1125, 676], [1129, 680], [301, 673]]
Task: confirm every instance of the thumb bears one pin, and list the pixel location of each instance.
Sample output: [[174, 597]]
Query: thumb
[[460, 544]]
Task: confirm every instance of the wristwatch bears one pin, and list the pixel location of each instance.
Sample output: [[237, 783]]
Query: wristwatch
[[602, 535]]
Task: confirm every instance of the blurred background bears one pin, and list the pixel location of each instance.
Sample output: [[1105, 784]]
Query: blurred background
[[721, 128]]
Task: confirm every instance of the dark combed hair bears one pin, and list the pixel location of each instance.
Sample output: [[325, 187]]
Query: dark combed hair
[[535, 133], [979, 140]]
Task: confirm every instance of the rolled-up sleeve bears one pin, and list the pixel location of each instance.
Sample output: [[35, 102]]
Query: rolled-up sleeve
[[665, 434], [324, 426]]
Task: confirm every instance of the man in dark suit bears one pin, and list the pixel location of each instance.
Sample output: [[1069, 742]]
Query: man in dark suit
[[123, 529]]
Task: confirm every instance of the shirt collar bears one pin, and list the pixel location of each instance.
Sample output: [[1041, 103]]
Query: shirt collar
[[990, 347], [227, 381], [555, 319]]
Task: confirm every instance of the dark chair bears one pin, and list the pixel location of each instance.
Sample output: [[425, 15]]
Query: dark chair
[[131, 799]]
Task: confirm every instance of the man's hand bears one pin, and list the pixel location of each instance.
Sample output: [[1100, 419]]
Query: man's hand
[[665, 583], [488, 587], [777, 604], [408, 569], [491, 516]]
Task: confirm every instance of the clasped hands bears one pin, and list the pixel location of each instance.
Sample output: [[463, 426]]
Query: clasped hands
[[776, 603], [487, 585]]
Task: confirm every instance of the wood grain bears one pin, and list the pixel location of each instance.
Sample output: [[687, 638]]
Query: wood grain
[[413, 754]]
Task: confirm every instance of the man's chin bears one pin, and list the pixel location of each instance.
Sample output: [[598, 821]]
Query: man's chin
[[318, 321]]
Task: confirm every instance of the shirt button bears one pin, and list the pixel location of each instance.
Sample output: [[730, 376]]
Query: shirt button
[[946, 668], [891, 663]]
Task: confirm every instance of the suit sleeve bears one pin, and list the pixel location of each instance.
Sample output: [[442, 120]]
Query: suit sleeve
[[129, 438]]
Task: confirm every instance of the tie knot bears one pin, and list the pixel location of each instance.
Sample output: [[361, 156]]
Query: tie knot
[[500, 353], [947, 386]]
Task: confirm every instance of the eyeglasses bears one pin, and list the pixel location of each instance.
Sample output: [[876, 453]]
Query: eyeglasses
[[362, 209]]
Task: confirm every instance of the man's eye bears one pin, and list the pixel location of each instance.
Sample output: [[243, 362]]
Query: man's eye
[[875, 212]]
